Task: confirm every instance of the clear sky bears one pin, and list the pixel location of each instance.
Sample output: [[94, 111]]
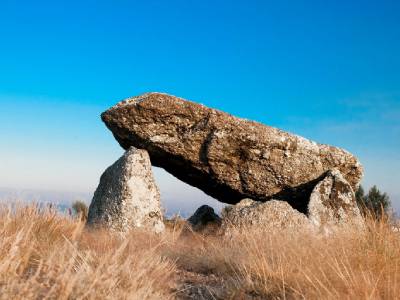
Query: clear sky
[[327, 71]]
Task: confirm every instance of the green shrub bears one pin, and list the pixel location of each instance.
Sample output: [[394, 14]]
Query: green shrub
[[374, 203]]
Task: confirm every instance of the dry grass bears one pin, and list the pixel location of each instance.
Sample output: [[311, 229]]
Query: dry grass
[[45, 255]]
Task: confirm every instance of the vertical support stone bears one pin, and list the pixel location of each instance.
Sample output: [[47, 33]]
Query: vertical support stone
[[333, 202], [127, 196]]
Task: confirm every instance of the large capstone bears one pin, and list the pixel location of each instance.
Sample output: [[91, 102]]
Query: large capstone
[[127, 196], [227, 157]]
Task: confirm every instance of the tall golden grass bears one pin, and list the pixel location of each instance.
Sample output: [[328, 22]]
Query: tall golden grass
[[47, 255]]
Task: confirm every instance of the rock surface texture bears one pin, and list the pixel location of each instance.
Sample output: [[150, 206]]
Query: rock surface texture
[[127, 196], [227, 157], [204, 216], [333, 202], [269, 215]]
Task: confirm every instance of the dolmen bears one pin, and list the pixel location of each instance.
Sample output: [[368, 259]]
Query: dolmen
[[227, 157]]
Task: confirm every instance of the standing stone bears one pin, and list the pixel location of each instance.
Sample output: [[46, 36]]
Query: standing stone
[[333, 202], [227, 157], [271, 215], [127, 196]]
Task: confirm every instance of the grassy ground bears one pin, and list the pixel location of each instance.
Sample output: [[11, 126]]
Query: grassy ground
[[45, 255]]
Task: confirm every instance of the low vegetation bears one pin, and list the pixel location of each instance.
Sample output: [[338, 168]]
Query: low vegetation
[[374, 203], [80, 209], [47, 255]]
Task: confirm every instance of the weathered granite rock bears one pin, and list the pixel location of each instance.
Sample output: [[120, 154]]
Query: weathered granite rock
[[127, 196], [204, 216], [227, 157], [333, 202], [270, 215]]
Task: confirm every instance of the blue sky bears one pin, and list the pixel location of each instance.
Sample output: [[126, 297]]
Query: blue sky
[[328, 71]]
